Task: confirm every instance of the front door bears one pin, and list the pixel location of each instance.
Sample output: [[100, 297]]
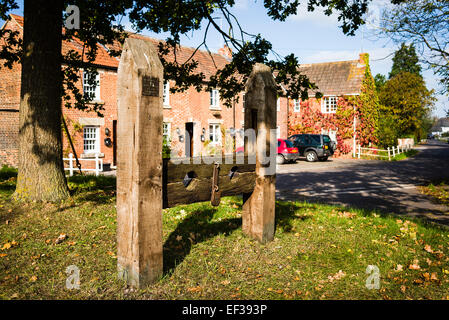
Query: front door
[[189, 139]]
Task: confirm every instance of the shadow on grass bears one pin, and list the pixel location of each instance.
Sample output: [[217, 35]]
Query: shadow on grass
[[197, 227], [91, 188]]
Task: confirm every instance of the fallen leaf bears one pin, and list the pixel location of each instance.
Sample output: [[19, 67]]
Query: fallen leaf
[[61, 238], [399, 267], [3, 255], [225, 282], [6, 246], [178, 238], [428, 248], [33, 279], [403, 288], [433, 276], [194, 289]]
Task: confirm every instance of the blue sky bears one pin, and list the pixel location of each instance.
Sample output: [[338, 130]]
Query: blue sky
[[311, 36]]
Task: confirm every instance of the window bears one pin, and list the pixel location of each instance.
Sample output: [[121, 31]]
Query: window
[[91, 86], [297, 105], [166, 94], [329, 105], [214, 99], [91, 139], [214, 133], [166, 132], [278, 104]]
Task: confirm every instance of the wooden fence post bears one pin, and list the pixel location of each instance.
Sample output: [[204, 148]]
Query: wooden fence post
[[139, 164], [71, 164], [388, 149], [360, 150], [258, 214]]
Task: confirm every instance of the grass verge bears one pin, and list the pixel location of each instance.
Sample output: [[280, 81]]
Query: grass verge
[[319, 251]]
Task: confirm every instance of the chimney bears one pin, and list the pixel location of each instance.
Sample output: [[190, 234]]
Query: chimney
[[363, 58], [225, 52]]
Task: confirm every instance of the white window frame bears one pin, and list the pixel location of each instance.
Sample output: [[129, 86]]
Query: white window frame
[[296, 105], [214, 99], [87, 89], [166, 131], [329, 104], [166, 94], [215, 133], [91, 133]]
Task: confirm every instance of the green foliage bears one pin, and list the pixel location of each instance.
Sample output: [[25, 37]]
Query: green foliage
[[7, 172], [387, 133], [101, 24], [379, 81], [367, 106], [405, 60], [424, 24], [406, 99]]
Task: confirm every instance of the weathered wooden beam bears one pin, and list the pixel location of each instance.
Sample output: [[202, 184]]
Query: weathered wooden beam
[[139, 165], [258, 215], [199, 189]]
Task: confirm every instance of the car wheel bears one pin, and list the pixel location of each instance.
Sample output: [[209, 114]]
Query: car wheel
[[324, 159], [280, 159], [311, 156]]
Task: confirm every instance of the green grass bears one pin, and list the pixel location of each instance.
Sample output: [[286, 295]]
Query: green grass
[[405, 155], [439, 191], [319, 251], [384, 154]]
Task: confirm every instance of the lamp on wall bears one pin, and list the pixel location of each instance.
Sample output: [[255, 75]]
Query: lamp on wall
[[107, 132], [178, 132]]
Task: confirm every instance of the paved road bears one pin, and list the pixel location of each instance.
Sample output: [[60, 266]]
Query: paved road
[[385, 186]]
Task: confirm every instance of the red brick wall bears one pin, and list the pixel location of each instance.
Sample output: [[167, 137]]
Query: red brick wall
[[9, 106]]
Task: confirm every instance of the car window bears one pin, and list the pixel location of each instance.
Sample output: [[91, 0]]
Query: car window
[[326, 139], [279, 144], [289, 144], [315, 139]]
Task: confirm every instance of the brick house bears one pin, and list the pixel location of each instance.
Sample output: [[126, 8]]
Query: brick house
[[335, 80], [202, 114]]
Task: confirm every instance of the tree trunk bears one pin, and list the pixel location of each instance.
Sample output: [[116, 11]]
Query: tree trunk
[[41, 171]]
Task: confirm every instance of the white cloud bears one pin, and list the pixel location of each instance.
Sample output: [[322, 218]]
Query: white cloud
[[317, 16]]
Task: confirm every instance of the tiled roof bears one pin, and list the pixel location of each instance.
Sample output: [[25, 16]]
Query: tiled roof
[[336, 78], [102, 58], [207, 63], [332, 78]]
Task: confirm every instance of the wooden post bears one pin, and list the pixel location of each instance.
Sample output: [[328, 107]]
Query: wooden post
[[139, 164], [258, 214], [389, 158], [393, 152], [71, 164], [360, 150], [97, 169]]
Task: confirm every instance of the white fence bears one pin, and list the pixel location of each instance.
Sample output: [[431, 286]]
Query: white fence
[[383, 153], [72, 164]]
